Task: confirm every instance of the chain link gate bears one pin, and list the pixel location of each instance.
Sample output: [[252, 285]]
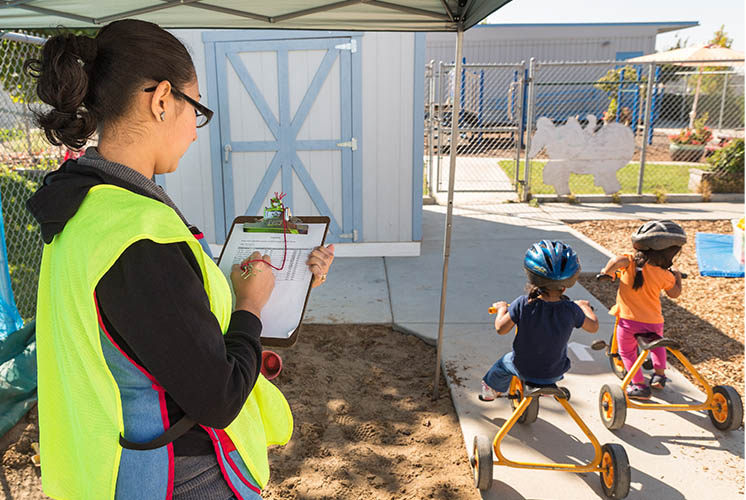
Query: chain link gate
[[505, 105], [490, 122], [25, 156]]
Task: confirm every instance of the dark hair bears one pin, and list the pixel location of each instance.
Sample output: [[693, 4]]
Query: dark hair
[[534, 291], [90, 82], [661, 258]]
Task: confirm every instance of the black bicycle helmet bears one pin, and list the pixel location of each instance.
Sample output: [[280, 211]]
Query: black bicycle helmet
[[551, 264], [657, 235]]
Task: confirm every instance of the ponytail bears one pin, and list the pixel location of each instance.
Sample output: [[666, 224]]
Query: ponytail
[[641, 258], [661, 258], [533, 292], [63, 82]]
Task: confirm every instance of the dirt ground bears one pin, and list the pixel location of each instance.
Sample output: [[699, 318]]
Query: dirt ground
[[365, 424], [707, 319]]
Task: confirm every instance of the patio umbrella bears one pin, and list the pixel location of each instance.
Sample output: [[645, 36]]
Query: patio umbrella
[[367, 15], [699, 57]]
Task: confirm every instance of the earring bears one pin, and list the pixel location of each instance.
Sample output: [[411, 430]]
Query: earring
[[163, 115]]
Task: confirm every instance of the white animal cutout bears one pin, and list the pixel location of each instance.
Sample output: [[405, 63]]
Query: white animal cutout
[[574, 149]]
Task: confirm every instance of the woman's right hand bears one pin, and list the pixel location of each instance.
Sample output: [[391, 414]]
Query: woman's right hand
[[253, 290]]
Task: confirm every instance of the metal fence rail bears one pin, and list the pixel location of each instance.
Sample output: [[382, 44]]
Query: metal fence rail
[[504, 105]]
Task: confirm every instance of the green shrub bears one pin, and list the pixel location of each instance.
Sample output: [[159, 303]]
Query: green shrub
[[22, 239], [727, 168], [728, 160]]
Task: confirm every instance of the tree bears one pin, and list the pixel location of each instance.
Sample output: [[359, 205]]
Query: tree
[[721, 38]]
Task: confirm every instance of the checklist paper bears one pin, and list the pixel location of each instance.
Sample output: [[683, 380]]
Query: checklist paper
[[283, 312]]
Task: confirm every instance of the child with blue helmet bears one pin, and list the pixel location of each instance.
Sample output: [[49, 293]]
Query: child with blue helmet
[[544, 320]]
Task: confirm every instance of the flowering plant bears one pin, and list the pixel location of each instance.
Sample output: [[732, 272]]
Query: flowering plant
[[698, 135]]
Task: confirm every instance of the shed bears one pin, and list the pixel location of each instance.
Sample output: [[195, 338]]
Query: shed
[[508, 43], [334, 119]]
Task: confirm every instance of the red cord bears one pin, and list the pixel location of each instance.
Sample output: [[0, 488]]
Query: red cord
[[284, 237]]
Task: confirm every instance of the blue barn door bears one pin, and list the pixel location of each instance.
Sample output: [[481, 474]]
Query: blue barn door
[[286, 124]]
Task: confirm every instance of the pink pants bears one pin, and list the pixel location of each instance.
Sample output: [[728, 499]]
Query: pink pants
[[625, 337]]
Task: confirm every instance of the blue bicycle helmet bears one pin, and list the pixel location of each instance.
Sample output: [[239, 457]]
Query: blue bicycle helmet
[[551, 264]]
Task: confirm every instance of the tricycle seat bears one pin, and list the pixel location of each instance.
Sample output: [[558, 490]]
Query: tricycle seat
[[532, 391], [650, 340]]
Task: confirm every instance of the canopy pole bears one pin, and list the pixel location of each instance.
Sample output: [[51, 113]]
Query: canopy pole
[[455, 112]]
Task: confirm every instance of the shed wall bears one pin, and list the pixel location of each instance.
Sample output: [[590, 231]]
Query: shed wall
[[386, 145]]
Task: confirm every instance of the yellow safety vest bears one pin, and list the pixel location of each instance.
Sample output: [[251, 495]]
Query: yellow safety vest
[[80, 412]]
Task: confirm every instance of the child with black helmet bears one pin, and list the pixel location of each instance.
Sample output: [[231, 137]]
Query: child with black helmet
[[642, 276], [544, 320]]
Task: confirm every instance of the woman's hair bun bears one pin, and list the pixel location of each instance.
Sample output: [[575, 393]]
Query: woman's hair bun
[[63, 74], [90, 83]]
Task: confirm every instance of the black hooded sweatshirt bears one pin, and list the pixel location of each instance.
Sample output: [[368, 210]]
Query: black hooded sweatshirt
[[153, 303]]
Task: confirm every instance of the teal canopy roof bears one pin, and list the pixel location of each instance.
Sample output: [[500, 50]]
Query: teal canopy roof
[[364, 15]]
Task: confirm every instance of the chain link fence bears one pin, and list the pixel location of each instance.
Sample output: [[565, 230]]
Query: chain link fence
[[489, 124], [25, 157], [653, 128]]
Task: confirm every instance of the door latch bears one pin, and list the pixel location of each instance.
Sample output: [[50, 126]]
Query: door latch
[[227, 150]]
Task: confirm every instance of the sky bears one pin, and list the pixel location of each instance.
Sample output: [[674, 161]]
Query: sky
[[710, 14]]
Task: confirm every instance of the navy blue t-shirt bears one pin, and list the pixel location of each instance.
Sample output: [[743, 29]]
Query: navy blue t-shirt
[[543, 331]]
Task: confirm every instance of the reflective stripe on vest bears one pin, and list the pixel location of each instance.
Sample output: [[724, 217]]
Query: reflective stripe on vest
[[80, 402]]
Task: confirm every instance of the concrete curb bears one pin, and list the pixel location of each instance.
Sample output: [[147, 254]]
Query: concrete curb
[[640, 198], [407, 331]]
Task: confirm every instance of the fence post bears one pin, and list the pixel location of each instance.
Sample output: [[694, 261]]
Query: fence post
[[480, 115], [529, 127], [439, 122], [521, 121], [722, 101], [654, 108], [430, 111], [619, 95], [648, 110]]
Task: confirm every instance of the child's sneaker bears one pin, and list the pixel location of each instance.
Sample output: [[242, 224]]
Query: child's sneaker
[[658, 381], [636, 391], [488, 393]]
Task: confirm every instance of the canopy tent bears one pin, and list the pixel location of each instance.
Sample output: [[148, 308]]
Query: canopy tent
[[368, 15], [364, 15]]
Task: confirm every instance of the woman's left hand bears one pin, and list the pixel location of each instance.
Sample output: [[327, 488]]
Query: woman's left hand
[[318, 262]]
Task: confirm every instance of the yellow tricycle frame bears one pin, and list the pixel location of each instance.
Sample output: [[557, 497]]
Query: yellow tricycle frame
[[516, 387], [709, 404]]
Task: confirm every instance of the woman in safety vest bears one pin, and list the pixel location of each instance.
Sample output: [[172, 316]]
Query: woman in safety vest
[[149, 379]]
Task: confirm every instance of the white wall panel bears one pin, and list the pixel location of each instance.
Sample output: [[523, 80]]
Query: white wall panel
[[388, 74]]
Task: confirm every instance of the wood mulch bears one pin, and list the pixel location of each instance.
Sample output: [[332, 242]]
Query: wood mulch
[[707, 319]]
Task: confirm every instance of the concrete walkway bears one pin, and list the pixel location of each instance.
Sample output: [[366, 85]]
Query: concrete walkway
[[672, 455]]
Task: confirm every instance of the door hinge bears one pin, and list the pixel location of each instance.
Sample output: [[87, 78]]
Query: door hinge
[[349, 144], [347, 236], [351, 46]]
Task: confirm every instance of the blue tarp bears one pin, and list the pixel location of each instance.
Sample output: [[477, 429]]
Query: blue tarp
[[715, 256], [17, 351]]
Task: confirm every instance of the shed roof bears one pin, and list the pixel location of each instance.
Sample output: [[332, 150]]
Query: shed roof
[[661, 27]]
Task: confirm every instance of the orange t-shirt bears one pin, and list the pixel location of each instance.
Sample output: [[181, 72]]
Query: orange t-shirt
[[643, 304]]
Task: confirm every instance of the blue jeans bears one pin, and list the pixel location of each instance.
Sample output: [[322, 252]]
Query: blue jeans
[[498, 377]]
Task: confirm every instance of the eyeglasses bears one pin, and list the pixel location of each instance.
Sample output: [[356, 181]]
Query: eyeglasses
[[203, 113]]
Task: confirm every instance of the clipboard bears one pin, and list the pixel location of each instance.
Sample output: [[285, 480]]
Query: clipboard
[[251, 230]]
